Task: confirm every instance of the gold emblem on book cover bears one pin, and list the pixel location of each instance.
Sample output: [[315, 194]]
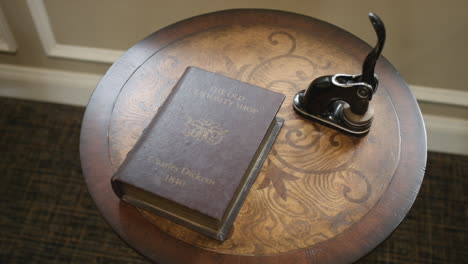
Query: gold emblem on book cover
[[204, 130]]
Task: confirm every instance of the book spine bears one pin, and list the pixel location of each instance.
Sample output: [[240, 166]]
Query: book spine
[[115, 183]]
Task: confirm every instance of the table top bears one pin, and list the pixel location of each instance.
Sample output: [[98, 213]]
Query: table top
[[321, 196]]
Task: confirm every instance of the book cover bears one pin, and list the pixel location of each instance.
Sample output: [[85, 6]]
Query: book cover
[[196, 160]]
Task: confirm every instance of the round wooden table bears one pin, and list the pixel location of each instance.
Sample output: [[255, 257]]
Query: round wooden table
[[321, 197]]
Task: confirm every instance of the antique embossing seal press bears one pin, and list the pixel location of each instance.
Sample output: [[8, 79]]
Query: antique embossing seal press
[[343, 101]]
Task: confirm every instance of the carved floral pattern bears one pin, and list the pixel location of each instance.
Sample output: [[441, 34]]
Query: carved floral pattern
[[311, 186], [301, 142]]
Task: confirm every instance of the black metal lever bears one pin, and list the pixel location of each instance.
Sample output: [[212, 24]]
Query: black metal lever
[[369, 64], [342, 101]]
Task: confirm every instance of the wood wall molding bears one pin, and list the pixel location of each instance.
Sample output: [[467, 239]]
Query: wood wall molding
[[7, 40], [445, 134], [55, 49]]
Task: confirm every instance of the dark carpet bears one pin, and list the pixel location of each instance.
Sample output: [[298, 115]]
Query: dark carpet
[[47, 215]]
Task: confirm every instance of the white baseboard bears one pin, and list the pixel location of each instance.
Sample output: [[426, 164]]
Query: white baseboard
[[440, 96], [444, 134], [47, 85]]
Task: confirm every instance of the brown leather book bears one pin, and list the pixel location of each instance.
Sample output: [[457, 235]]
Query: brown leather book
[[198, 157]]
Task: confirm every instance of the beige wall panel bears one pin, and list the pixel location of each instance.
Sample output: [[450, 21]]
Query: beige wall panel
[[29, 49], [426, 40], [7, 41]]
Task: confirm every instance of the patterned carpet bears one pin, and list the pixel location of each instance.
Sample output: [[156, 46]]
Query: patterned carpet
[[47, 215]]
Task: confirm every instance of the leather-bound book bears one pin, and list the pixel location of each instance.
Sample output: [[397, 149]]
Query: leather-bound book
[[198, 157]]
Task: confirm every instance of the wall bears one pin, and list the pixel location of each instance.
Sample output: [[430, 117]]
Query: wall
[[56, 50]]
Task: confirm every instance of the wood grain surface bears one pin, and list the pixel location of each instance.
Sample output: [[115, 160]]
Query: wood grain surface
[[321, 195]]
